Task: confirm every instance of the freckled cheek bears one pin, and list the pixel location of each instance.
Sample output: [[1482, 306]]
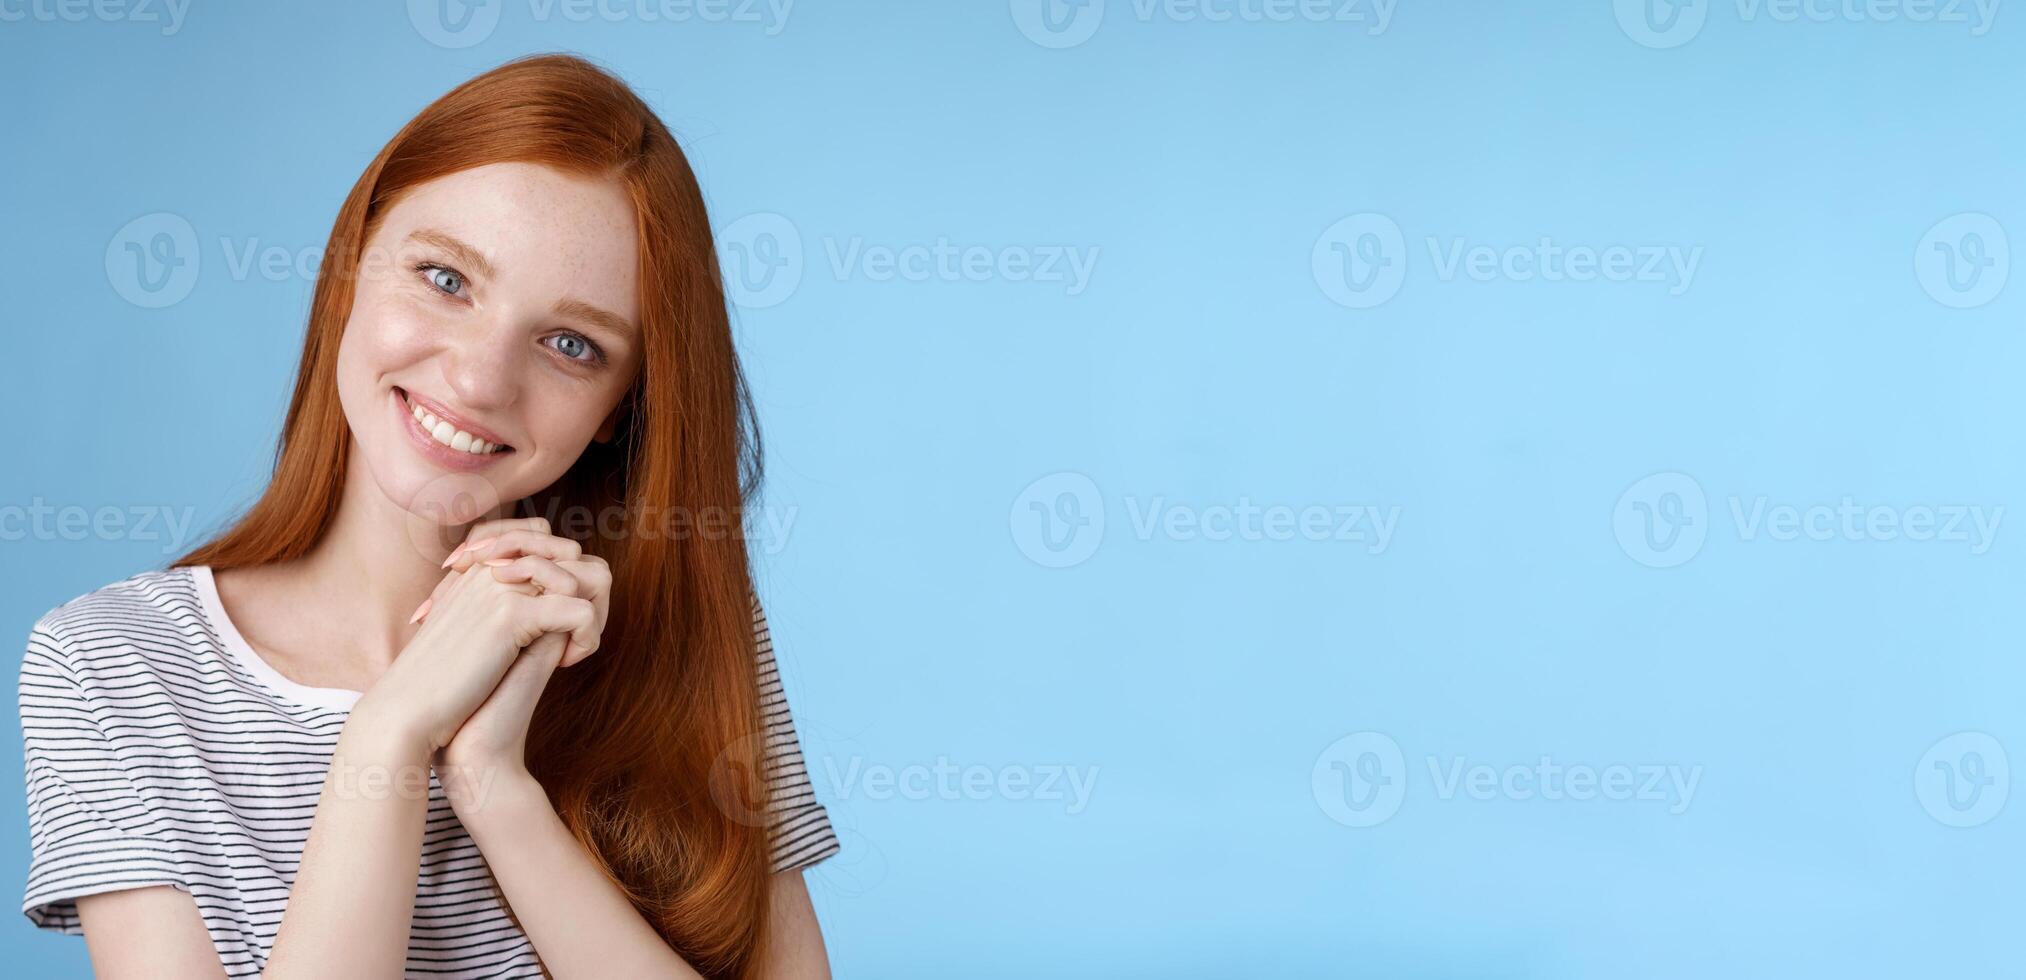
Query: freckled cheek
[[389, 333]]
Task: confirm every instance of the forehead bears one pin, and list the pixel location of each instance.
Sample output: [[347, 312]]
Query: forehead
[[548, 235]]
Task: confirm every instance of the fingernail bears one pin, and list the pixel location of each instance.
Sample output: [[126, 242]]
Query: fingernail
[[471, 546], [421, 609], [499, 561]]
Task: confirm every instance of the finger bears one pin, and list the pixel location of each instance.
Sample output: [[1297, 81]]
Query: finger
[[594, 579], [592, 571], [443, 587], [510, 543], [574, 654], [553, 578], [436, 594], [536, 615], [589, 560], [487, 530], [474, 572]]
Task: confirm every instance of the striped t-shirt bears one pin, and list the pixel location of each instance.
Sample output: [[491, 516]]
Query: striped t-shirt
[[161, 750]]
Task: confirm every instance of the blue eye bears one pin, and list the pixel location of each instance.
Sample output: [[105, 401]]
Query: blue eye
[[577, 348], [449, 281]]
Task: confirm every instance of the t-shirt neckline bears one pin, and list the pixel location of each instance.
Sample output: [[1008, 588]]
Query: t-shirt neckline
[[242, 653]]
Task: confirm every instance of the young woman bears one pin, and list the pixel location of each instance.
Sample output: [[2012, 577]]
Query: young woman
[[479, 687]]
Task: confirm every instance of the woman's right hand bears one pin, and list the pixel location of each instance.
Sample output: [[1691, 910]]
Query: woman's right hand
[[477, 625]]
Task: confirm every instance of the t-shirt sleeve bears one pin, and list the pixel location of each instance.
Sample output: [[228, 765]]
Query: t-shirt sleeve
[[87, 826], [799, 827]]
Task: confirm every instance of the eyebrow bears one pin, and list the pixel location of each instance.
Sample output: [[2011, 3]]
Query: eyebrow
[[618, 326], [458, 250]]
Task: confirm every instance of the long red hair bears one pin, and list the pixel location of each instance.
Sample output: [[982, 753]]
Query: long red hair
[[649, 748]]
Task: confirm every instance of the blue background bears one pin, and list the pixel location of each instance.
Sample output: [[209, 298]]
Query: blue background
[[927, 614]]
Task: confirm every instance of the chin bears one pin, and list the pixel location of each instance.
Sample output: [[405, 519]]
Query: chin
[[437, 497]]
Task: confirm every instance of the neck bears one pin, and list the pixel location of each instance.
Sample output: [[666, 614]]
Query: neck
[[374, 565]]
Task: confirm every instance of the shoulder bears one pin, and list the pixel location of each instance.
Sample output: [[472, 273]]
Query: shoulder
[[763, 651], [112, 620]]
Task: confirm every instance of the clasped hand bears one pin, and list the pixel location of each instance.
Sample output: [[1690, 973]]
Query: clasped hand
[[515, 603]]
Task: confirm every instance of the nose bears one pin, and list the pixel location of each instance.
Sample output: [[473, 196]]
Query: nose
[[481, 363]]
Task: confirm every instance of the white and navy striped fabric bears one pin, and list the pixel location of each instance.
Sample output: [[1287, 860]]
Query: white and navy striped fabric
[[161, 750]]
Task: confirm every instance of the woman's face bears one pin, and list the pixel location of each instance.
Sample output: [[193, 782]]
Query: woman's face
[[502, 302]]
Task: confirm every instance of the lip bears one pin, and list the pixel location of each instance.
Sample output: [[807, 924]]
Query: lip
[[437, 452]]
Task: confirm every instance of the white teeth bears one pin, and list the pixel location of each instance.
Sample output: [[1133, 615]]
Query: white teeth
[[451, 435]]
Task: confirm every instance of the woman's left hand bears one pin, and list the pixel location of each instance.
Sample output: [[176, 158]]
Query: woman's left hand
[[494, 738]]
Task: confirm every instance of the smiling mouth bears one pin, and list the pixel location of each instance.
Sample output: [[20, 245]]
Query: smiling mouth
[[449, 435]]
